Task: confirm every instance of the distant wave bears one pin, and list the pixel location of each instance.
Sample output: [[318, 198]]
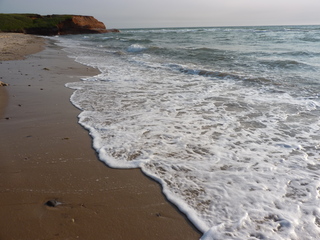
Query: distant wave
[[310, 39], [300, 54], [135, 40], [136, 48], [222, 75], [285, 64]]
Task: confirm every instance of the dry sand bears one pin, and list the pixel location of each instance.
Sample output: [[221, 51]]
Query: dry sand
[[13, 45], [45, 155]]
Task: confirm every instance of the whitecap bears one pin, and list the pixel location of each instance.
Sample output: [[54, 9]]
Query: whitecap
[[136, 48]]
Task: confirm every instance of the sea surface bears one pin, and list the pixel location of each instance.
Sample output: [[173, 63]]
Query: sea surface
[[227, 119]]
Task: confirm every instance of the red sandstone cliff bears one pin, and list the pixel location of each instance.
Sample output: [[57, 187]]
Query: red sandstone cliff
[[81, 24], [75, 25]]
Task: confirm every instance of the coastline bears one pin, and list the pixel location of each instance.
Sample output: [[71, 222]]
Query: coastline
[[47, 156]]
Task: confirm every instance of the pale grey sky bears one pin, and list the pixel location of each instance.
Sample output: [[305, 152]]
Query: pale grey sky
[[177, 13]]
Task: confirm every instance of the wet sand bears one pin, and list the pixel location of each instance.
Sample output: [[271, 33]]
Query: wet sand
[[46, 155]]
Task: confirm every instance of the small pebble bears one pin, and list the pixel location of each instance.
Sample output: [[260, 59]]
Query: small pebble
[[52, 203]]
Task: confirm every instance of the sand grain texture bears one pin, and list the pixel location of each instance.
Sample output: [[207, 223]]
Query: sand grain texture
[[14, 46]]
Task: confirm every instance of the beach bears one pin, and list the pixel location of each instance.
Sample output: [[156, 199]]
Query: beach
[[225, 118], [53, 185]]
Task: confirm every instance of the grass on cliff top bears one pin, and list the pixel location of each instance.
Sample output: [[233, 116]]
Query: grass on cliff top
[[19, 22]]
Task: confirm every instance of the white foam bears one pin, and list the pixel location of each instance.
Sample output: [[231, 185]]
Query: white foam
[[240, 160], [136, 48]]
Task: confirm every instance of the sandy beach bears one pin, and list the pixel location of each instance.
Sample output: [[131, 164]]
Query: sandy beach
[[52, 185], [15, 46]]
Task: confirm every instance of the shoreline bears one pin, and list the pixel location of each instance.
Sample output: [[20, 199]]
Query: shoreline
[[48, 158]]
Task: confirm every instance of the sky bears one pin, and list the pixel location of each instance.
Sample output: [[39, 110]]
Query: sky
[[177, 13]]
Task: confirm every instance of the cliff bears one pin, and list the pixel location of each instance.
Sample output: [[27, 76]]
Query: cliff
[[81, 24], [74, 25], [51, 24]]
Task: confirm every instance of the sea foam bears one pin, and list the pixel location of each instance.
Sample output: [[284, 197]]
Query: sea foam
[[235, 148]]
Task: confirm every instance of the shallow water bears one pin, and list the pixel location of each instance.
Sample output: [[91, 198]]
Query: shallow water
[[226, 119]]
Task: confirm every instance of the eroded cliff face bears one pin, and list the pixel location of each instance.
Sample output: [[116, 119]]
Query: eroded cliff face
[[80, 25], [75, 25]]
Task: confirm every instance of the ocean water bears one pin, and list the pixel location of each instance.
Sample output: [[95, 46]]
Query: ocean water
[[226, 119]]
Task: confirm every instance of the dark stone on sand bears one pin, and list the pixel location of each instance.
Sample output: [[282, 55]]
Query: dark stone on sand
[[2, 84], [52, 203]]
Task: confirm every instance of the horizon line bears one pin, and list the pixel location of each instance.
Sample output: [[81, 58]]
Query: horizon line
[[224, 26]]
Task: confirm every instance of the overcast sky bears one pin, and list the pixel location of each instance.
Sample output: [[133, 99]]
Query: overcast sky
[[177, 13]]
